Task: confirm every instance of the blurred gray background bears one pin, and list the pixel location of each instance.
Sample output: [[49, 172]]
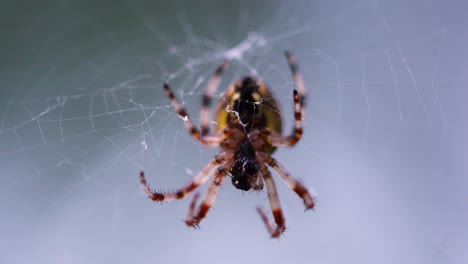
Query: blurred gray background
[[82, 112]]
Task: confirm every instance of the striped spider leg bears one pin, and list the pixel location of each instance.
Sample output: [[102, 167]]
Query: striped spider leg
[[196, 181], [210, 89], [194, 219], [274, 204], [212, 141], [290, 181], [299, 101]]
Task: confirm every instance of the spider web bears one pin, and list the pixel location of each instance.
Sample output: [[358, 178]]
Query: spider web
[[82, 111]]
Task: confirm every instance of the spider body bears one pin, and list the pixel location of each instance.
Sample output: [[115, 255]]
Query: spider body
[[241, 113], [248, 130]]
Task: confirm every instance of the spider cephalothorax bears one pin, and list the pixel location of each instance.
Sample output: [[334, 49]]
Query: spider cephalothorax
[[248, 130]]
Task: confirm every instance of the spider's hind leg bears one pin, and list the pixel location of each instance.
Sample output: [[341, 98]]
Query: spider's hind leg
[[274, 204], [194, 219], [294, 184]]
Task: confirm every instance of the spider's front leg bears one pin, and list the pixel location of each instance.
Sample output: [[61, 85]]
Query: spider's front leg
[[299, 97], [212, 141], [210, 89], [297, 76], [194, 219], [296, 135]]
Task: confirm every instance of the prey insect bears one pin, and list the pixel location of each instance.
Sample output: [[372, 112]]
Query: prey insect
[[248, 130]]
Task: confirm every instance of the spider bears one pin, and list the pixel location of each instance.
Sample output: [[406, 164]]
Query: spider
[[247, 130]]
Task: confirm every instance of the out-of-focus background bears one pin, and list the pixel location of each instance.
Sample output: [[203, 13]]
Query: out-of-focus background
[[82, 112]]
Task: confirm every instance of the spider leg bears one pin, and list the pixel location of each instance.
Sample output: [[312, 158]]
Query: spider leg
[[299, 101], [193, 130], [258, 186], [274, 204], [298, 81], [210, 89], [296, 135], [294, 184], [193, 205], [256, 181], [198, 180], [194, 219]]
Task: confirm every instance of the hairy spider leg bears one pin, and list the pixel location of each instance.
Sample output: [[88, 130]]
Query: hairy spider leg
[[209, 198], [296, 135], [196, 181], [274, 204], [294, 184], [298, 81], [210, 89], [192, 207], [212, 141], [299, 95]]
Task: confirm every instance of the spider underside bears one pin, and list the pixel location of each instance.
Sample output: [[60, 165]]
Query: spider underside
[[248, 130]]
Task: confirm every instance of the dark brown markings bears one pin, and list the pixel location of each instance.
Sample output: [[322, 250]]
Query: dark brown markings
[[180, 194], [206, 100], [152, 195], [191, 221], [182, 113], [298, 133], [194, 132], [298, 116], [278, 216], [169, 93], [297, 101], [193, 185], [143, 179], [221, 68], [302, 192], [202, 211], [292, 62]]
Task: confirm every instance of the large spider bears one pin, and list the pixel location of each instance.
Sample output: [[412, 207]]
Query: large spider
[[248, 130]]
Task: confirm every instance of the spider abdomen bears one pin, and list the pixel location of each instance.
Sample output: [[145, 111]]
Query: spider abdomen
[[248, 102]]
